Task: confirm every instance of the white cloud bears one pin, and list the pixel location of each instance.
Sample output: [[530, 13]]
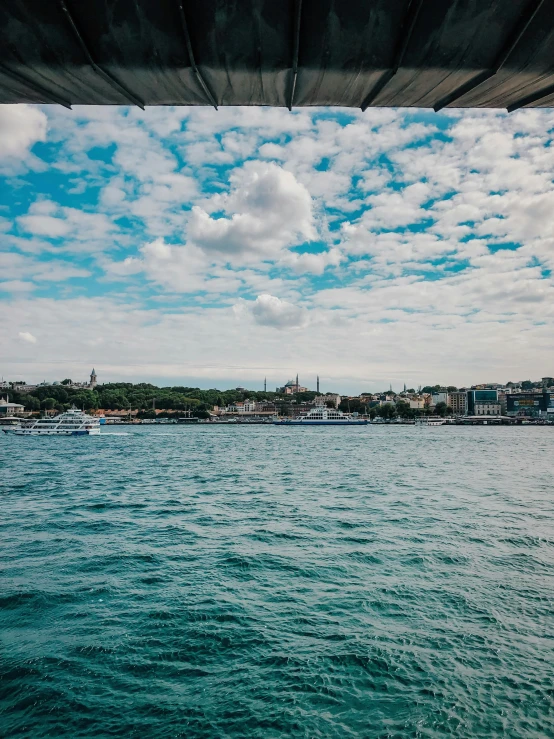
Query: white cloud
[[266, 211], [27, 337], [268, 310], [82, 231], [307, 262], [21, 126], [16, 286], [14, 266]]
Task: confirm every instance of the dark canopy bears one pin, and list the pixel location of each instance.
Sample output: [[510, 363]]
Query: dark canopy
[[356, 53]]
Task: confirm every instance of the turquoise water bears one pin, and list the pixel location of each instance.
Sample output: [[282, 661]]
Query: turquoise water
[[273, 582]]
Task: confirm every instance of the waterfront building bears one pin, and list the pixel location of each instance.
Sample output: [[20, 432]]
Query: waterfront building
[[530, 405], [10, 409], [487, 400], [487, 408], [457, 400], [416, 403]]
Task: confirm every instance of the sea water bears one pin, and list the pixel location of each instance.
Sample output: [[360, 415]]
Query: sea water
[[381, 581]]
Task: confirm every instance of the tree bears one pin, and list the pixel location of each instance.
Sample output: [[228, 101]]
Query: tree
[[48, 403], [403, 409], [431, 389], [31, 403], [410, 390], [386, 411], [452, 389], [441, 409], [67, 382]]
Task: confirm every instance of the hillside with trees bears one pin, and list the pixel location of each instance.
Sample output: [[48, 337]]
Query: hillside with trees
[[144, 397]]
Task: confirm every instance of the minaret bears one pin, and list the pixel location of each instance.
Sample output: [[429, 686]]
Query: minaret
[[265, 384], [297, 386], [92, 383], [317, 384]]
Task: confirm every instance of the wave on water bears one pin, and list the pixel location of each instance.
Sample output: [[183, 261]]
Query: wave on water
[[249, 583]]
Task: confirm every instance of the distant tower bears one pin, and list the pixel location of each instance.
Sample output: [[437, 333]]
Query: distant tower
[[297, 385], [390, 388], [404, 387], [317, 384], [265, 384], [92, 383]]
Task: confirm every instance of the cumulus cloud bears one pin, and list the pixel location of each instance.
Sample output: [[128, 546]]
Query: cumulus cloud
[[268, 310], [16, 286], [21, 126], [27, 337], [81, 230], [266, 211]]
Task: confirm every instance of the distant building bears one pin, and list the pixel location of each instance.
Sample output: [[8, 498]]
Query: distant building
[[23, 388], [92, 383], [441, 397], [458, 402], [530, 405], [416, 404], [484, 399], [291, 387], [487, 408], [329, 398], [10, 409]]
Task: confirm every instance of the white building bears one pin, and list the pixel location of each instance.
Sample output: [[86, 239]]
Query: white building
[[485, 408], [10, 409]]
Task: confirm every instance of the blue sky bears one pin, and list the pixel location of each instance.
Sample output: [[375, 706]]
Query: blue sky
[[193, 246]]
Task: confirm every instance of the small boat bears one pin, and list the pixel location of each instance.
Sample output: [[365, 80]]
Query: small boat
[[320, 416], [71, 423]]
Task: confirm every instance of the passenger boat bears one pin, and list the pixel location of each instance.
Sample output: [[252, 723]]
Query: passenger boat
[[320, 416], [71, 423]]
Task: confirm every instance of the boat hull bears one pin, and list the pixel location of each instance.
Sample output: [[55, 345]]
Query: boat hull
[[320, 423], [43, 432]]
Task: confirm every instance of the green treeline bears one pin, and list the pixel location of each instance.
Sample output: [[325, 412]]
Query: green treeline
[[142, 397]]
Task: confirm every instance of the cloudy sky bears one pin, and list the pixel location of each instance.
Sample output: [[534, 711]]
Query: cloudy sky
[[194, 246]]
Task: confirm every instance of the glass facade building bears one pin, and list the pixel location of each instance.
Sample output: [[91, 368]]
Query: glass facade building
[[530, 405], [480, 396]]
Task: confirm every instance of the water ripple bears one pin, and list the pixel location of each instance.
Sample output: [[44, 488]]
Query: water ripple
[[244, 582]]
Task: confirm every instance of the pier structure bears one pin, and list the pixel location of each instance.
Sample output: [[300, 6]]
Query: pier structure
[[362, 53]]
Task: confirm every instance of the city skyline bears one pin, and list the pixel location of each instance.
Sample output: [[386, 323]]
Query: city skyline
[[294, 382]]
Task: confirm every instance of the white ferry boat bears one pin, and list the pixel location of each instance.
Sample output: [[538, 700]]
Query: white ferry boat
[[320, 416], [71, 423]]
